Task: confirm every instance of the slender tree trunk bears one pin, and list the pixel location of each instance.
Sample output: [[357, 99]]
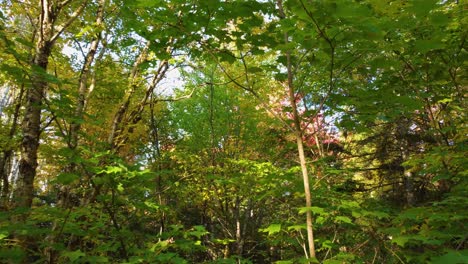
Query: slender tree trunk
[[65, 194], [299, 142], [403, 129], [85, 72], [239, 229], [83, 92], [8, 154], [5, 167], [308, 196]]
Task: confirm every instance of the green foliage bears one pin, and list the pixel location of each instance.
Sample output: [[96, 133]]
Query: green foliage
[[271, 229], [426, 228], [205, 170]]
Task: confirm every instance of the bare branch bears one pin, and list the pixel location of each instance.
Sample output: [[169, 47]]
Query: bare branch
[[70, 20], [176, 98], [63, 4]]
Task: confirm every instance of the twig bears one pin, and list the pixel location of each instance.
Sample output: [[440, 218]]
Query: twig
[[393, 252]]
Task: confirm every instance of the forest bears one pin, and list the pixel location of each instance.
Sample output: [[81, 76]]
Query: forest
[[233, 131]]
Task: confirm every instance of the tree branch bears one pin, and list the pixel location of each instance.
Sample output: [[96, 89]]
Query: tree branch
[[70, 20]]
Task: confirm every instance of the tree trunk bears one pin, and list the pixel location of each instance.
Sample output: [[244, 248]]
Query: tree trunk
[[85, 72], [299, 142], [31, 125], [117, 122], [8, 155], [5, 166], [65, 194], [402, 128]]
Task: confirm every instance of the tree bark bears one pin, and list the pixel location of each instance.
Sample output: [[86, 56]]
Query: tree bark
[[85, 72], [116, 128], [31, 125]]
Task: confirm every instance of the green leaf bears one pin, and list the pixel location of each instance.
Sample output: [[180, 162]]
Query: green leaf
[[97, 259], [148, 3], [343, 219], [349, 204], [441, 176], [348, 10], [67, 178], [341, 258], [254, 69], [198, 231], [320, 220], [120, 187], [440, 18], [225, 241], [25, 42], [401, 240], [271, 229], [424, 45], [413, 213], [161, 245], [313, 209], [152, 205], [227, 56], [74, 255], [113, 169], [333, 261], [297, 227], [378, 214], [422, 7], [451, 257], [12, 255], [327, 244]]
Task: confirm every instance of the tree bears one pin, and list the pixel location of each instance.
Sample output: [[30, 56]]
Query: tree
[[355, 107], [47, 35]]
